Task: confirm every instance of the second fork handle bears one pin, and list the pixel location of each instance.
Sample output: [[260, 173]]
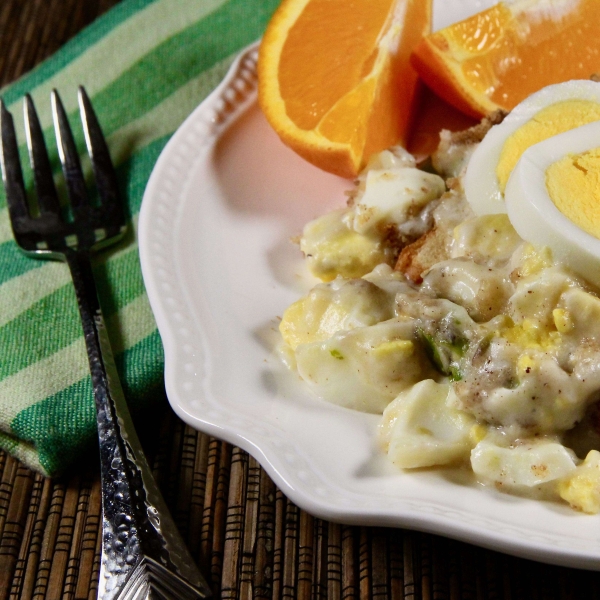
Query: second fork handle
[[141, 546]]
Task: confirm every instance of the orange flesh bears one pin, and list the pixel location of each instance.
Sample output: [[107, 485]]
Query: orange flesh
[[499, 57], [401, 97], [301, 72], [506, 56], [335, 79]]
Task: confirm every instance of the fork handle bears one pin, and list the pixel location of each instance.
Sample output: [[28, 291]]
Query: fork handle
[[141, 547]]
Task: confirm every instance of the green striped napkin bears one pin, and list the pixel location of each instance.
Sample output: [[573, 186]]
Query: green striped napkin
[[146, 65]]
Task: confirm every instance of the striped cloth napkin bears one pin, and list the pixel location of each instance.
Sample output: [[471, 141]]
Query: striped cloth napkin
[[146, 65]]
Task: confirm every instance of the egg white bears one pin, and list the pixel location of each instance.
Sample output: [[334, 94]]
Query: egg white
[[534, 215], [481, 182]]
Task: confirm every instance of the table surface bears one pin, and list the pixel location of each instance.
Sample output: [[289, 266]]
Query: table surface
[[249, 540]]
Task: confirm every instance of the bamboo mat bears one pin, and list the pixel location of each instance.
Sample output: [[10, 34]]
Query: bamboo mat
[[250, 541]]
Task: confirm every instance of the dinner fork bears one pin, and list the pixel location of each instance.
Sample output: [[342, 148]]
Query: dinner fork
[[143, 555]]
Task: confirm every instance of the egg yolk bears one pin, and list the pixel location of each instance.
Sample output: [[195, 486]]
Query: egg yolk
[[573, 184], [550, 121]]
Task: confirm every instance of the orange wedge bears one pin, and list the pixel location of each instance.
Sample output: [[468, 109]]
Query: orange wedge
[[500, 56], [335, 80]]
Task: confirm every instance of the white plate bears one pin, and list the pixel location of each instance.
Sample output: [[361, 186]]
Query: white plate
[[223, 201]]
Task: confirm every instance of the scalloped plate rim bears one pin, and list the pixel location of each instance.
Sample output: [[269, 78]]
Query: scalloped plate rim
[[212, 123]]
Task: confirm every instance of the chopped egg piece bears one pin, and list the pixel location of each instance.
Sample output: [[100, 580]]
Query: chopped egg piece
[[420, 430], [531, 260], [332, 248], [527, 464], [562, 320], [583, 310], [581, 489], [393, 195], [336, 306], [488, 237], [364, 368]]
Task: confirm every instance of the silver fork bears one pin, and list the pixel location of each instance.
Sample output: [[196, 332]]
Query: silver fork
[[143, 555]]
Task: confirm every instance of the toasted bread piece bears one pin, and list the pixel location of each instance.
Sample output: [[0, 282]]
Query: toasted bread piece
[[474, 135], [455, 148], [422, 254]]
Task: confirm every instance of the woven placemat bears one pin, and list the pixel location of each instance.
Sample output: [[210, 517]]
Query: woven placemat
[[248, 538]]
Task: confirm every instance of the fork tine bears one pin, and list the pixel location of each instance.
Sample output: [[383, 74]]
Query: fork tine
[[69, 157], [11, 168], [40, 163], [106, 179]]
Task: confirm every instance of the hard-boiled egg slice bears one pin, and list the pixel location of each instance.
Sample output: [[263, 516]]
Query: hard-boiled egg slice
[[551, 111], [535, 215]]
